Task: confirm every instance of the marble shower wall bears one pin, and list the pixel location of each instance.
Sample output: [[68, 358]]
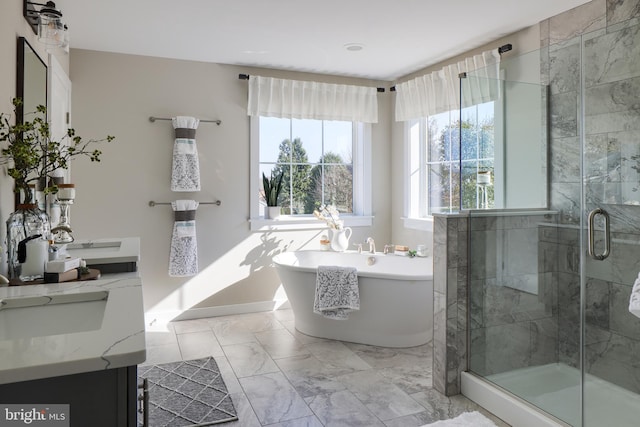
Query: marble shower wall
[[512, 292], [596, 44]]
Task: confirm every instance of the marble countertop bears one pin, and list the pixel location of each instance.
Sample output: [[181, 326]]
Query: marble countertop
[[52, 334]]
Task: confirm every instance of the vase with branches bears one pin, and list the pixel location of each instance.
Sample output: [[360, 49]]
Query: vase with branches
[[32, 155]]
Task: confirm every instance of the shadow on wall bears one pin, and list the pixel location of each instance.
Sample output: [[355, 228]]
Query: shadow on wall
[[242, 275], [260, 256]]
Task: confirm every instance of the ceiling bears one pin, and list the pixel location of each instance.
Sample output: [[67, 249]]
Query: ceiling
[[398, 36]]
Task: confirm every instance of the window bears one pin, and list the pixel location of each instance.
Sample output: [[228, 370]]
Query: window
[[446, 150], [322, 162]]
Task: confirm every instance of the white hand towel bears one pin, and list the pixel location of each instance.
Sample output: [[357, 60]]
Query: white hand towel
[[336, 291], [183, 257], [634, 300], [185, 170]]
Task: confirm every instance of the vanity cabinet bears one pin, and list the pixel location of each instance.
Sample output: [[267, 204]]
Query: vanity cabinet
[[105, 398]]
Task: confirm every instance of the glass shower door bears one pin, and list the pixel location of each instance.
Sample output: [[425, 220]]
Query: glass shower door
[[610, 90]]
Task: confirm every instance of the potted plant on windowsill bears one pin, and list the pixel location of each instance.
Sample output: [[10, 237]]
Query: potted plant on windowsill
[[272, 188]]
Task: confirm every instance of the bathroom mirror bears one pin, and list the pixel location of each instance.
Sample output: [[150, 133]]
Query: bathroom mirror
[[31, 80], [31, 83]]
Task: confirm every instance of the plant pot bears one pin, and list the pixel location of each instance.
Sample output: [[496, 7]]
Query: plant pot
[[272, 212]]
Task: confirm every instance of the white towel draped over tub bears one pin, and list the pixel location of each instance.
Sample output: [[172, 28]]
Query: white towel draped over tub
[[185, 171], [336, 291], [183, 258]]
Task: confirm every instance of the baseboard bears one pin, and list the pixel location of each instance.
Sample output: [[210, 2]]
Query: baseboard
[[159, 319], [505, 406]]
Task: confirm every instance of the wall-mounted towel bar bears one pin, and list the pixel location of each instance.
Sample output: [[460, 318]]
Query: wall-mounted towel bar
[[217, 203], [153, 119]]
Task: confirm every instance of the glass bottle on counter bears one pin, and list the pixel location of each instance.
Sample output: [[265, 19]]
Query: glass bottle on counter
[[27, 220]]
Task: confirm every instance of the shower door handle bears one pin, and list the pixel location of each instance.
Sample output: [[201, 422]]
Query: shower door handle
[[607, 234]]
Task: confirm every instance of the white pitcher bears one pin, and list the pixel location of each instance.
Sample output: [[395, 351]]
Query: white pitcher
[[340, 239]]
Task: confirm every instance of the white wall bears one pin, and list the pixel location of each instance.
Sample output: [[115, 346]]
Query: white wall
[[115, 94], [12, 26]]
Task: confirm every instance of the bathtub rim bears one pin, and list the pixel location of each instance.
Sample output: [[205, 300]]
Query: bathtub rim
[[361, 273]]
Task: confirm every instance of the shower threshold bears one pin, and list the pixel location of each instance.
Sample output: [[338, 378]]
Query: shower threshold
[[554, 388]]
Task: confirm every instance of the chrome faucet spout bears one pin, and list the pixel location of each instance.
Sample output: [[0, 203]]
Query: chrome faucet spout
[[372, 245]]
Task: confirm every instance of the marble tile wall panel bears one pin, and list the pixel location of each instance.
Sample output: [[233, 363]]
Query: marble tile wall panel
[[564, 160], [500, 348], [607, 57], [565, 198], [583, 19], [483, 253], [564, 66], [621, 321], [563, 111], [521, 255], [544, 341], [622, 10], [615, 359]]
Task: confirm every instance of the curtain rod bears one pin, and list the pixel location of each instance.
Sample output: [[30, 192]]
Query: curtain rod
[[246, 77], [153, 119], [217, 203], [502, 49]]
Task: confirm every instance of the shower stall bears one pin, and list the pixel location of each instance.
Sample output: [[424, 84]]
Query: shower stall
[[552, 262]]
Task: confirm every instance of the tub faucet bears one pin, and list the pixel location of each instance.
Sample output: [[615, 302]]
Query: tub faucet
[[372, 245]]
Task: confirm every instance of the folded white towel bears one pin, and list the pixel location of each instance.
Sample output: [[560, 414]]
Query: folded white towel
[[183, 257], [634, 300], [336, 291], [185, 170]]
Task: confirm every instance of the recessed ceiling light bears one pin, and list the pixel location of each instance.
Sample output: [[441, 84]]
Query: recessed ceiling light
[[354, 47]]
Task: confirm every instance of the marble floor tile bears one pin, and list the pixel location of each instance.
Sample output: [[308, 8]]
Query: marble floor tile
[[196, 345], [381, 397], [309, 376], [231, 331], [153, 338], [414, 420], [310, 421], [410, 379], [338, 357], [303, 338], [229, 377], [187, 326], [283, 314], [162, 354], [383, 357], [273, 398], [342, 409], [280, 343], [258, 322], [249, 359], [246, 416]]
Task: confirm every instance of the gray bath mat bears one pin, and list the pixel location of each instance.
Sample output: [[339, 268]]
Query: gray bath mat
[[187, 393]]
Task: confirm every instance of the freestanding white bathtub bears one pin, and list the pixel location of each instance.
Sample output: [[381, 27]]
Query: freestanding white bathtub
[[396, 297]]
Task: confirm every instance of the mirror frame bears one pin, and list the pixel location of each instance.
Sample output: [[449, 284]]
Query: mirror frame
[[22, 46]]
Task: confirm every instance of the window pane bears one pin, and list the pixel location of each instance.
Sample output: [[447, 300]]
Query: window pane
[[444, 187], [338, 138], [338, 187], [470, 189], [438, 135], [307, 137], [272, 132]]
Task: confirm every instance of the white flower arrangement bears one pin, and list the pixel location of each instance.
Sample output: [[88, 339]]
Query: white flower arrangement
[[330, 215]]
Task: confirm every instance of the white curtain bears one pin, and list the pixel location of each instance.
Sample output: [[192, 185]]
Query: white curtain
[[440, 91], [296, 99]]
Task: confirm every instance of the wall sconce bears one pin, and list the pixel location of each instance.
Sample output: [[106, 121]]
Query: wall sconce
[[46, 21]]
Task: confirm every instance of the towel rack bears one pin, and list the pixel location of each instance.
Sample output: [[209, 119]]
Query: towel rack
[[217, 203], [152, 119]]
